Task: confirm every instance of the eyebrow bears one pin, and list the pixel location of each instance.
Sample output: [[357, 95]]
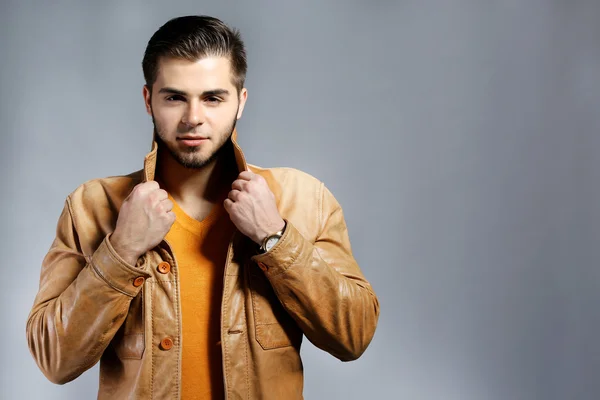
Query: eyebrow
[[214, 92]]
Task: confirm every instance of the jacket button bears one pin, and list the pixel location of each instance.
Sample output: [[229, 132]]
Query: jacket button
[[138, 281], [166, 343], [164, 267]]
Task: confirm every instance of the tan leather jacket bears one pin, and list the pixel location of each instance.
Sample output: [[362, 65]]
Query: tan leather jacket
[[92, 305]]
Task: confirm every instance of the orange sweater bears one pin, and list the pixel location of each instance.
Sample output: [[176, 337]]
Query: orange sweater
[[200, 249]]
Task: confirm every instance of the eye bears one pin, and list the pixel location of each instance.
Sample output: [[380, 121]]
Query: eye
[[213, 100], [175, 97]]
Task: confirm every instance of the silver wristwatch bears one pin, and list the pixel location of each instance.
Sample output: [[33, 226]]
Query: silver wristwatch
[[271, 240]]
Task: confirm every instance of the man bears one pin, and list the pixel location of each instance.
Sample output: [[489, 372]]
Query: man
[[198, 276]]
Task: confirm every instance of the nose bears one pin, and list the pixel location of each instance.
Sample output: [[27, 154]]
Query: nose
[[194, 114]]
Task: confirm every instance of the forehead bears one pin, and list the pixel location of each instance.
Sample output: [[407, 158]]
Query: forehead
[[203, 74]]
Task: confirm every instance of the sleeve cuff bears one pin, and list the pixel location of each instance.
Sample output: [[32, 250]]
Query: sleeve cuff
[[116, 272], [284, 253]]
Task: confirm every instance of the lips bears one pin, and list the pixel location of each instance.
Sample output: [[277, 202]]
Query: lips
[[192, 140]]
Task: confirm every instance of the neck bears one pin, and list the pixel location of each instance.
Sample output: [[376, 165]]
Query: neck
[[195, 186]]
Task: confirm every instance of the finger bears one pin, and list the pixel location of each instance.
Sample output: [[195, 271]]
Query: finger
[[162, 194], [227, 204], [234, 195], [239, 184], [144, 188], [150, 185], [246, 175], [167, 205], [157, 196], [171, 216]]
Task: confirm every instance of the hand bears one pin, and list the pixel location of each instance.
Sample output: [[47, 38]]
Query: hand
[[252, 208], [144, 220]]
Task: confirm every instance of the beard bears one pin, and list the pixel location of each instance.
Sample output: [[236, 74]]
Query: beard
[[189, 158]]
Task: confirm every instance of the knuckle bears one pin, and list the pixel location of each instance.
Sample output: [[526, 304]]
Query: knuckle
[[154, 196], [136, 190], [146, 186]]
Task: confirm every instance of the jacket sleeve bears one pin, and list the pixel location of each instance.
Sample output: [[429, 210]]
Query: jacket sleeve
[[81, 303], [321, 286]]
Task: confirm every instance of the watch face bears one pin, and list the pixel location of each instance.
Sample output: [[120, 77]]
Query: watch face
[[271, 242]]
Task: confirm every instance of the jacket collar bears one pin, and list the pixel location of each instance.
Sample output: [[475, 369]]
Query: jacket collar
[[150, 159]]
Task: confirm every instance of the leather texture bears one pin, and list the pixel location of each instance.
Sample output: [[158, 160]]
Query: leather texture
[[92, 306]]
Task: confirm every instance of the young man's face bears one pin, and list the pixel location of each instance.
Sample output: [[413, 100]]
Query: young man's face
[[194, 107]]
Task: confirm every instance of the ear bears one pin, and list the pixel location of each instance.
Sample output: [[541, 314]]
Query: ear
[[146, 92], [243, 97]]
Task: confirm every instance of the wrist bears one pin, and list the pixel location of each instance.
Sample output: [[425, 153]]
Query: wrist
[[270, 240], [272, 230], [128, 255]]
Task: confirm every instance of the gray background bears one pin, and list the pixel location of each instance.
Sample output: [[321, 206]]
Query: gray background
[[460, 138]]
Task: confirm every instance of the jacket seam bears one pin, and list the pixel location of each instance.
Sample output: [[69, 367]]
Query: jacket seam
[[89, 361], [287, 266], [224, 343], [320, 207], [279, 296], [151, 287], [246, 344], [322, 220], [94, 267], [74, 220], [295, 254], [179, 333], [107, 280]]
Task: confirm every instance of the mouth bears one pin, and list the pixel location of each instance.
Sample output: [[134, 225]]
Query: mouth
[[192, 140]]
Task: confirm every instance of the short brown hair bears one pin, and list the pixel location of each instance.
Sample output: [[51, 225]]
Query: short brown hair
[[192, 38]]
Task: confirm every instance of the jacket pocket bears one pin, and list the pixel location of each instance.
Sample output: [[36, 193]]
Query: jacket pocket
[[273, 326], [129, 342]]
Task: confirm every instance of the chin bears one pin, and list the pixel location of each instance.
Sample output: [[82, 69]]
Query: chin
[[196, 163], [195, 160]]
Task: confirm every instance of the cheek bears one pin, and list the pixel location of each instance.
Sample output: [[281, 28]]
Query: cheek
[[223, 115], [167, 117]]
